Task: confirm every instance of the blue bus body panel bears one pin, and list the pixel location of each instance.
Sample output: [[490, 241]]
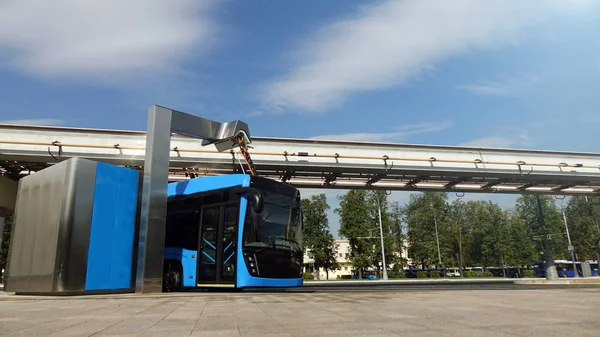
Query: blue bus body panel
[[188, 263], [205, 184], [112, 228], [243, 278], [193, 186]]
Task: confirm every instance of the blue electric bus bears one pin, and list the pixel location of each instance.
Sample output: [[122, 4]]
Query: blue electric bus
[[564, 268], [232, 231]]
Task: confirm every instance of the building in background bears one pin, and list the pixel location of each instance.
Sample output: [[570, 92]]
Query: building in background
[[343, 259]]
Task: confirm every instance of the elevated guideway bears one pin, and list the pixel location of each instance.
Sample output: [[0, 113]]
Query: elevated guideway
[[317, 163]]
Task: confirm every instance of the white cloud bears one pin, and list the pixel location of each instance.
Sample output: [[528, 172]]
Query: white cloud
[[396, 135], [505, 87], [105, 40], [498, 142], [388, 43], [41, 121]]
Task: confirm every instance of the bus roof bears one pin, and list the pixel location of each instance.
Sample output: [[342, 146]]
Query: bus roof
[[209, 183]]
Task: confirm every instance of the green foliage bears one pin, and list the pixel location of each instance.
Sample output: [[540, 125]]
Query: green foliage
[[316, 235], [522, 246], [420, 216], [527, 210], [480, 233], [359, 223], [435, 274], [8, 222], [528, 273], [487, 273], [488, 228], [308, 276], [421, 274], [398, 234], [396, 274], [584, 226]]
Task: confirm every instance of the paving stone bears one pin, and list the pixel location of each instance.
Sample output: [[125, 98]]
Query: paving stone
[[549, 312]]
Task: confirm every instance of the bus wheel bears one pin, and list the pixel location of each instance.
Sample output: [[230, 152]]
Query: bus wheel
[[172, 278]]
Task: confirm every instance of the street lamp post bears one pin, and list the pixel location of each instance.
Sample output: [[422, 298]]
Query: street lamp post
[[385, 276], [571, 248], [437, 239]]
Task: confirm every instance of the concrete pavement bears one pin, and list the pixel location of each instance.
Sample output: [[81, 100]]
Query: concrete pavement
[[553, 312]]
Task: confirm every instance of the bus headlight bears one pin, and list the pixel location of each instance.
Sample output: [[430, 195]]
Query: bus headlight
[[252, 264]]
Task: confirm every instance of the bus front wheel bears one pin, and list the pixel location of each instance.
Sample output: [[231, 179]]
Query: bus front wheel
[[173, 276]]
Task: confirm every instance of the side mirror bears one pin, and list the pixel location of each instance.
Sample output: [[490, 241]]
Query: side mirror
[[259, 201], [255, 195]]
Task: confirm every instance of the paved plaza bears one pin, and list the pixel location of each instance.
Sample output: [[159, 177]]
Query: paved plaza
[[549, 312]]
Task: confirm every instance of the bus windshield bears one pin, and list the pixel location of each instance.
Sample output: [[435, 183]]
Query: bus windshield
[[278, 226]]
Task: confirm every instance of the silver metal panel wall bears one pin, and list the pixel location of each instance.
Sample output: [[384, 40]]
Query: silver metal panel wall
[[51, 233], [35, 237], [76, 225], [46, 194]]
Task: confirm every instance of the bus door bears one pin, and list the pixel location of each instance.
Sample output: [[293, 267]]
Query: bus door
[[217, 245]]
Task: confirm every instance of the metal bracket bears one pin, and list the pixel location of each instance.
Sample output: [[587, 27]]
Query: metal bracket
[[331, 177], [56, 143], [519, 163], [413, 183], [287, 175], [385, 159]]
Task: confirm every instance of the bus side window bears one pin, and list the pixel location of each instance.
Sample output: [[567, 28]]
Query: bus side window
[[190, 224], [172, 231]]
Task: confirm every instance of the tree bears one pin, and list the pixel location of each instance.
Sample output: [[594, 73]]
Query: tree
[[527, 210], [398, 234], [8, 222], [316, 234], [495, 242], [584, 227], [357, 226], [421, 215], [522, 249], [457, 223]]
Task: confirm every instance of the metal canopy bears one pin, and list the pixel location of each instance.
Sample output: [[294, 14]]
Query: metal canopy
[[319, 163], [162, 122]]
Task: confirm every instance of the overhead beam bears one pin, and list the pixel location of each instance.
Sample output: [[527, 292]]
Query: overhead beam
[[488, 169]]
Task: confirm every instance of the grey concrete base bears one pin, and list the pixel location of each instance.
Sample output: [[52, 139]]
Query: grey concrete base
[[570, 312]]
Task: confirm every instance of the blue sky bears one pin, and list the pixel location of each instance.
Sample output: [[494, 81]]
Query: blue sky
[[522, 74]]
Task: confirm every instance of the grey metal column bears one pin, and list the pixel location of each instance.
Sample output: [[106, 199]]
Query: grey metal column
[[154, 201], [385, 275], [161, 123], [550, 267]]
